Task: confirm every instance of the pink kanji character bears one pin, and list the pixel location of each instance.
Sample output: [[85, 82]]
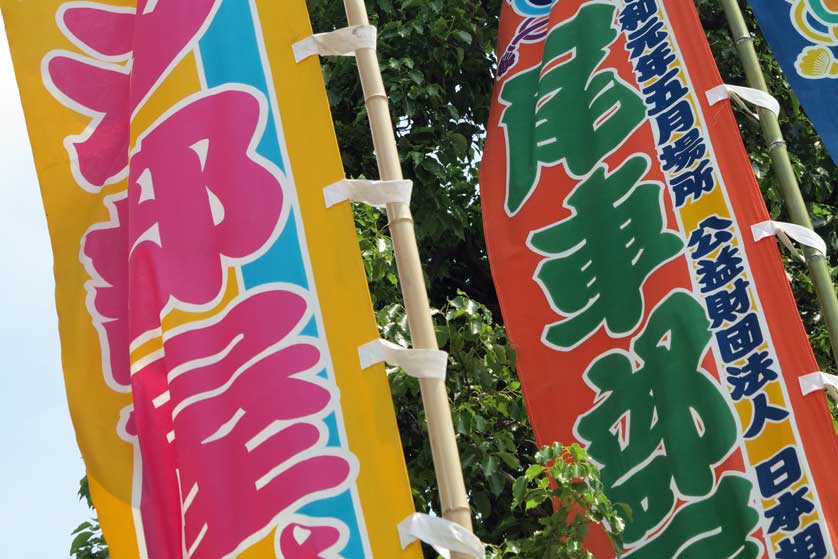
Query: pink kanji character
[[200, 199], [99, 155], [165, 32], [101, 31], [105, 257], [236, 405], [94, 85]]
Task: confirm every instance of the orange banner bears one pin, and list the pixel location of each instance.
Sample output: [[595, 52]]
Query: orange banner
[[650, 324]]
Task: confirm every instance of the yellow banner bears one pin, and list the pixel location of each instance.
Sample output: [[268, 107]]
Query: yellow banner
[[210, 305]]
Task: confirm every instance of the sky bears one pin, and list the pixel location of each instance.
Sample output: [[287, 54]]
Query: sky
[[40, 464]]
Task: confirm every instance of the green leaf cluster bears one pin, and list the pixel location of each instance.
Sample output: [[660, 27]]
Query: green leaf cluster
[[490, 419], [88, 541], [567, 484]]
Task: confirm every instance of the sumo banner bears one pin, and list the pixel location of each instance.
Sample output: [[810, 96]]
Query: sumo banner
[[210, 305], [803, 35], [652, 324]]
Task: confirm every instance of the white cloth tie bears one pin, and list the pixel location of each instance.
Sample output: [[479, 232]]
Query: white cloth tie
[[340, 42], [418, 363], [787, 231], [374, 193], [739, 94], [819, 381], [443, 535]]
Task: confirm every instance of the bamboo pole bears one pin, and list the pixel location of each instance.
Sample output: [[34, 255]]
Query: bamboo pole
[[789, 187], [449, 473]]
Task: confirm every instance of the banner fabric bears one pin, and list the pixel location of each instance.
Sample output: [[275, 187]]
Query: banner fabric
[[649, 325], [803, 35], [210, 305]]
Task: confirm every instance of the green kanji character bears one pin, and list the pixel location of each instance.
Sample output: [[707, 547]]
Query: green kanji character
[[660, 423], [561, 110], [599, 257], [717, 526]]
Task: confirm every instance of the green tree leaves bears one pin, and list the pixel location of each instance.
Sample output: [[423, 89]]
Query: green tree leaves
[[88, 541], [564, 477]]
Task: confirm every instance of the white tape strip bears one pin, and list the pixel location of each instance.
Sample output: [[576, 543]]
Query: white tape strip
[[374, 193], [418, 363], [739, 93], [443, 535], [340, 42], [784, 230], [819, 381]]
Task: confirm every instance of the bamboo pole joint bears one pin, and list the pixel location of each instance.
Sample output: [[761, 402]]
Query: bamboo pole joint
[[818, 266], [443, 441]]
